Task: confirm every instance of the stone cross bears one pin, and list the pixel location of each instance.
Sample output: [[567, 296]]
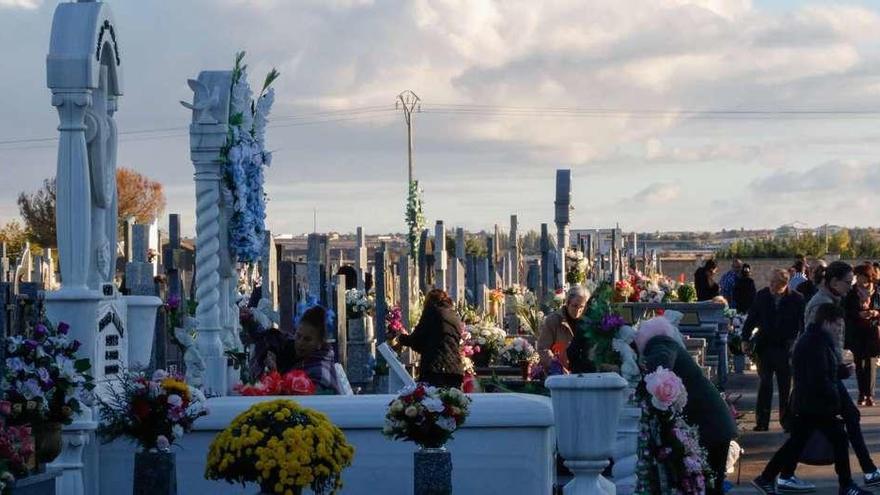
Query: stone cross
[[562, 220], [513, 246], [361, 259], [440, 263]]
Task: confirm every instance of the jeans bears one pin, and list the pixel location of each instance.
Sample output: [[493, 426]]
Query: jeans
[[773, 360], [802, 427], [866, 375]]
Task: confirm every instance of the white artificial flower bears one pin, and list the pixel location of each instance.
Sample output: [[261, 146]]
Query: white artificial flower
[[159, 375], [411, 411], [433, 404], [175, 400], [447, 424], [177, 431]]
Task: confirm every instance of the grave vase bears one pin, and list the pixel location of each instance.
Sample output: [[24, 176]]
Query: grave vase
[[432, 471], [155, 473], [141, 329], [587, 409]]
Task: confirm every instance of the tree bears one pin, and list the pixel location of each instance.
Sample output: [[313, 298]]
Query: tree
[[14, 235], [38, 211], [139, 196]]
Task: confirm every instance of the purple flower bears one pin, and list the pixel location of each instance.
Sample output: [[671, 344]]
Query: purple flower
[[63, 328], [44, 375], [40, 330], [31, 344], [173, 302], [611, 322], [74, 346]]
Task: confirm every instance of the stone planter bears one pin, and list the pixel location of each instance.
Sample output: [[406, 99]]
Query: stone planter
[[587, 410], [432, 471], [47, 442], [155, 473], [141, 329]]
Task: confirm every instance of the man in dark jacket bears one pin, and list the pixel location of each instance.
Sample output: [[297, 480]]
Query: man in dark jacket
[[816, 403], [705, 407], [704, 281], [743, 290], [778, 313]]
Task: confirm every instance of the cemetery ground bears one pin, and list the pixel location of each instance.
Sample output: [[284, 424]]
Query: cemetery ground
[[759, 447]]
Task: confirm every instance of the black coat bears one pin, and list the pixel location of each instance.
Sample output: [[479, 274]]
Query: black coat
[[705, 407], [861, 335], [815, 369], [779, 325], [707, 288], [744, 294], [807, 289], [437, 338]]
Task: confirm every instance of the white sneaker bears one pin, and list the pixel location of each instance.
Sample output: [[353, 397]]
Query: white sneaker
[[872, 479], [794, 485]]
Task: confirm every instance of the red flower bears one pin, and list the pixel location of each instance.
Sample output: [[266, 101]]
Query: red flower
[[297, 382], [140, 408]]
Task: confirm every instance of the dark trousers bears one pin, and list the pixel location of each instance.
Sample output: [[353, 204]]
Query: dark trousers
[[802, 427], [717, 456], [866, 375], [442, 380], [852, 419], [774, 360]]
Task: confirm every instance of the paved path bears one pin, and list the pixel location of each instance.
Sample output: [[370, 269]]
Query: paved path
[[759, 447]]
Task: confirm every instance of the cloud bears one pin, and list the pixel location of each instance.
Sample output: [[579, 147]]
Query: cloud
[[835, 177], [20, 4], [658, 193]]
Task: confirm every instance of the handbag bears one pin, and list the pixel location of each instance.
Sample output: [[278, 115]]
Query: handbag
[[818, 451]]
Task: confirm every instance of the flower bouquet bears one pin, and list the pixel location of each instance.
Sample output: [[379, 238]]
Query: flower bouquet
[[519, 352], [670, 458], [154, 412], [357, 304], [529, 313], [16, 451], [489, 339], [426, 415], [623, 291], [283, 447], [575, 267], [467, 350], [294, 382], [557, 300], [687, 293], [394, 326]]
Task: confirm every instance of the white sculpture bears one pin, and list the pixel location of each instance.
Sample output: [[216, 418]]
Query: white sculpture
[[195, 365], [629, 366]]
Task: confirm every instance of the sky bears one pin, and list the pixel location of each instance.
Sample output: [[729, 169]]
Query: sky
[[650, 103]]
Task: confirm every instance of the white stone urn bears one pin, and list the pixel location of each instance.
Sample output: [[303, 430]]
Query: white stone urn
[[141, 329], [587, 408]]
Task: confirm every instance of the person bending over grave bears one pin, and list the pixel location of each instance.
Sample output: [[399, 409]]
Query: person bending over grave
[[660, 344], [557, 330], [437, 339]]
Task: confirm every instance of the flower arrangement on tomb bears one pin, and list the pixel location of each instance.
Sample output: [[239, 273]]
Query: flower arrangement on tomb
[[651, 289], [557, 300], [575, 267], [670, 458], [623, 291], [153, 412], [425, 415], [529, 313], [294, 382], [394, 324], [519, 351], [515, 290], [415, 219], [487, 342], [469, 315], [358, 304], [687, 293], [496, 296], [16, 451], [245, 155], [467, 349], [283, 447], [43, 381]]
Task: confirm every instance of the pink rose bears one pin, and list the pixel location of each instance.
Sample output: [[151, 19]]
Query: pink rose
[[5, 408], [666, 389]]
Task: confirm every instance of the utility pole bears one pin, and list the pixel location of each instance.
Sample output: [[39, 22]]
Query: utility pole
[[409, 101]]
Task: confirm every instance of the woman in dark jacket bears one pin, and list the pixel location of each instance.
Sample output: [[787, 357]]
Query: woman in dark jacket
[[704, 281], [861, 336], [744, 290], [437, 339]]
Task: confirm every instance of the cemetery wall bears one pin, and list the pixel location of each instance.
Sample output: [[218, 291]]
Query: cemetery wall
[[761, 268]]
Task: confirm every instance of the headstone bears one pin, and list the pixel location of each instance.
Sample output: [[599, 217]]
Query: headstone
[[492, 281], [482, 283], [361, 259], [406, 286], [341, 321], [533, 277], [381, 284], [613, 258], [269, 271], [440, 263], [460, 244], [513, 247], [313, 258], [287, 294], [172, 256], [547, 267], [471, 279], [458, 282], [127, 246], [423, 261], [562, 220]]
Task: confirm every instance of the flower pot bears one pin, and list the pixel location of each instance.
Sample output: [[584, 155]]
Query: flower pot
[[141, 329], [586, 409], [155, 473], [47, 442], [432, 471]]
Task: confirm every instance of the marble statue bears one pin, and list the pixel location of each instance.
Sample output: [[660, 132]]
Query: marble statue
[[195, 365]]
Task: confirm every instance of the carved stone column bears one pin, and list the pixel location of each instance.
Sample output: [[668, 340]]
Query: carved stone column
[[74, 439]]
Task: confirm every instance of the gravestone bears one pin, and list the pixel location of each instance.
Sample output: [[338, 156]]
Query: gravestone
[[547, 266], [398, 377], [471, 279], [139, 276], [404, 270], [269, 271], [562, 220], [614, 263], [457, 283], [341, 321], [533, 277], [514, 251], [423, 261], [440, 263], [4, 264], [492, 281], [172, 256], [361, 259], [482, 283], [314, 258]]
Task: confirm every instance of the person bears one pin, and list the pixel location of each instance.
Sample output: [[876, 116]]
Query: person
[[779, 314], [728, 281], [836, 284], [816, 402], [704, 282], [861, 336], [660, 344], [809, 288], [557, 329], [744, 290], [799, 274], [437, 339]]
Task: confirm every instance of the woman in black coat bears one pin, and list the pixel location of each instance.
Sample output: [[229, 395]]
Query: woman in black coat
[[861, 335], [437, 339], [704, 281]]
